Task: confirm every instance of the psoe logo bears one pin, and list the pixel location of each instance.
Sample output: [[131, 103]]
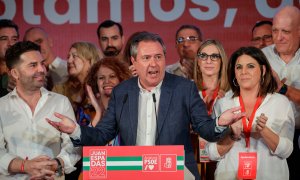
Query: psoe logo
[[151, 163], [98, 163], [168, 162]]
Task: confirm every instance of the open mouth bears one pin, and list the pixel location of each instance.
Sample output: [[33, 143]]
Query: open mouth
[[153, 73]]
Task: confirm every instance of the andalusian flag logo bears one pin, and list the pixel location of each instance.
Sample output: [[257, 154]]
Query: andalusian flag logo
[[101, 163]]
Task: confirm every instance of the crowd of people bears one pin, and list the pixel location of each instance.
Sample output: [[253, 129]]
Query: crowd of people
[[233, 107]]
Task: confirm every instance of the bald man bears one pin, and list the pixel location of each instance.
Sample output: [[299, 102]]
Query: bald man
[[57, 67], [284, 57]]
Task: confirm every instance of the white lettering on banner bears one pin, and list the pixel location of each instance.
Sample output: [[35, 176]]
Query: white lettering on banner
[[10, 9], [73, 13], [138, 10], [28, 13], [92, 11], [265, 10], [160, 14], [115, 10], [213, 10], [229, 17]]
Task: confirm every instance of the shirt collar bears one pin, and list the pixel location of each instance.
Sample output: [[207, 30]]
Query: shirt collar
[[296, 54], [156, 89], [44, 92]]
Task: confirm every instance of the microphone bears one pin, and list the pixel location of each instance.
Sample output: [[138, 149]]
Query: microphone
[[118, 122], [157, 133]]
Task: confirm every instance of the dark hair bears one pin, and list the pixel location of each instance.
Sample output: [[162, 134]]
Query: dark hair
[[108, 24], [7, 23], [188, 26], [126, 53], [261, 23], [268, 83], [145, 36], [120, 68], [13, 53]]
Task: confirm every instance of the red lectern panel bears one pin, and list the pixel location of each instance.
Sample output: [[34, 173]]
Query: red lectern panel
[[133, 162]]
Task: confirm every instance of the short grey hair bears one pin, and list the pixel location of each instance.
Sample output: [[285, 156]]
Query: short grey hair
[[145, 36]]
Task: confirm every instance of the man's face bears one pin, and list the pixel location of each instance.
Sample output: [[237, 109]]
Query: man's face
[[8, 37], [30, 71], [150, 64], [39, 37], [110, 41], [262, 36], [286, 34], [187, 49]]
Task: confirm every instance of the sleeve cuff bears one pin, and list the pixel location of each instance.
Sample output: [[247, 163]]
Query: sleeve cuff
[[76, 133], [284, 148], [212, 151], [219, 129]]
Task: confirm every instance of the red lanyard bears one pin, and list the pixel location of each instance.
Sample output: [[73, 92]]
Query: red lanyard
[[209, 106], [247, 128]]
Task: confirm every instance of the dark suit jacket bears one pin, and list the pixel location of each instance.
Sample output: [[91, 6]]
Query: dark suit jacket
[[179, 106]]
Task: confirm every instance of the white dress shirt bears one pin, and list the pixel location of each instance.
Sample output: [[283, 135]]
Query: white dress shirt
[[290, 71], [26, 134], [270, 165], [147, 117]]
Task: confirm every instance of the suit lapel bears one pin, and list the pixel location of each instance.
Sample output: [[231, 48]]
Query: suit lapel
[[164, 102], [133, 96]]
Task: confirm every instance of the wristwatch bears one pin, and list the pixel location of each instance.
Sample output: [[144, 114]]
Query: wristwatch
[[283, 89], [59, 171]]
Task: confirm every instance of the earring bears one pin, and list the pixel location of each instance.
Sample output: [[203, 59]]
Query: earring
[[262, 80], [235, 83]]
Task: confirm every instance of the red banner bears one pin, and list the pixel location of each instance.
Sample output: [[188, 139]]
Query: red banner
[[68, 21]]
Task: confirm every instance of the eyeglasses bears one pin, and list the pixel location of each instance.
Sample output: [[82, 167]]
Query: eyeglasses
[[265, 38], [181, 40], [213, 57]]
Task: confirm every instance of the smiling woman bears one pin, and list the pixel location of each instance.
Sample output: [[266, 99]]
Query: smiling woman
[[102, 78]]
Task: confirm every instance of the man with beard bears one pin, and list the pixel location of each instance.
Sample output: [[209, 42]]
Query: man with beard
[[188, 41], [57, 67], [29, 146], [110, 38]]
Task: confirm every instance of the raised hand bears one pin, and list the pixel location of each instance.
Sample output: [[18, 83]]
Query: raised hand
[[99, 108], [66, 125], [261, 122], [230, 116]]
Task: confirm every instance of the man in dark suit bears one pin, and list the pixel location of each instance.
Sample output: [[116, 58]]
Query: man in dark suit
[[155, 108]]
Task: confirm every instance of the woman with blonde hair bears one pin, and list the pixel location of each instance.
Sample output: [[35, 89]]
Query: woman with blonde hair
[[82, 55], [210, 76], [210, 72]]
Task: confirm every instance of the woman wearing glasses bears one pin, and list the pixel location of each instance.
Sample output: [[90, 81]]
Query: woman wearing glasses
[[211, 79], [263, 139]]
